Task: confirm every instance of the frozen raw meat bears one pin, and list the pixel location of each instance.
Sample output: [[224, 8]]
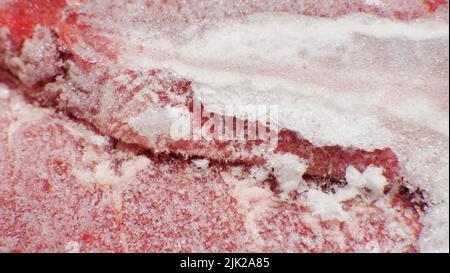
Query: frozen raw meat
[[65, 188], [348, 77]]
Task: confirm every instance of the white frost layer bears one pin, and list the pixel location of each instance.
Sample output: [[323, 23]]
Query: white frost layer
[[288, 170], [72, 247], [328, 205], [201, 163], [255, 61], [4, 92], [253, 200], [168, 121], [357, 80], [372, 179]]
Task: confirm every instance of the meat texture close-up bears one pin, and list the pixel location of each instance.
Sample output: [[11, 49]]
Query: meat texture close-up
[[224, 126]]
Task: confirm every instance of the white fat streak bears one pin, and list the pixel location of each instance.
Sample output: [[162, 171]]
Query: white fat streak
[[238, 48], [262, 32], [81, 132], [72, 247], [104, 174], [262, 37], [253, 201]]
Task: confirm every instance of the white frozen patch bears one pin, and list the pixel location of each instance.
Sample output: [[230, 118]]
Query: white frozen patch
[[288, 170], [72, 247], [372, 178], [24, 114], [254, 202], [373, 2], [105, 175], [80, 131], [357, 80], [257, 62], [434, 238], [375, 181], [328, 205], [4, 92], [201, 163], [98, 140], [167, 121]]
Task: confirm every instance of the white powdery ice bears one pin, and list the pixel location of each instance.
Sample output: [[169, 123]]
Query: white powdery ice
[[72, 247], [156, 122], [372, 179], [288, 170], [4, 92], [201, 163], [258, 62], [328, 205], [357, 80], [253, 201]]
